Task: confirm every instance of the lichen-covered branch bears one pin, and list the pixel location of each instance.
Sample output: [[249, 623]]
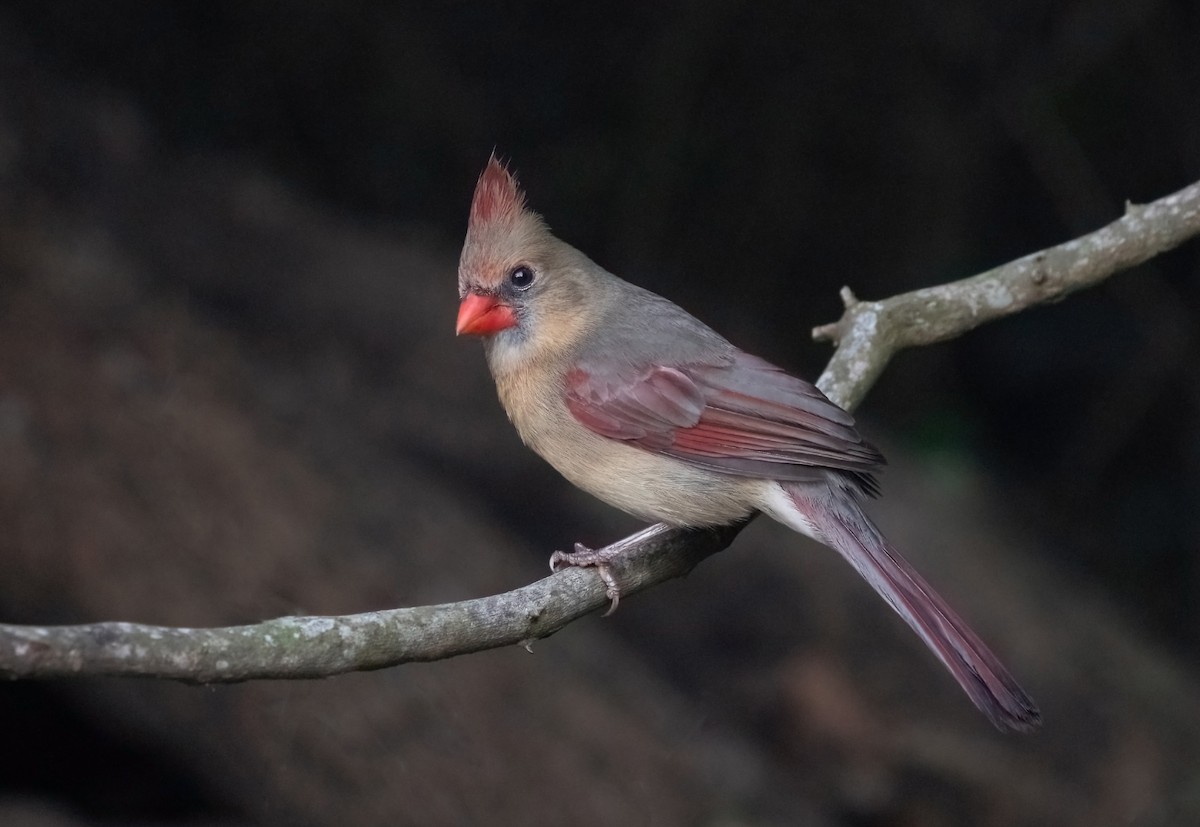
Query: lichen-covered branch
[[315, 647], [870, 333], [867, 336]]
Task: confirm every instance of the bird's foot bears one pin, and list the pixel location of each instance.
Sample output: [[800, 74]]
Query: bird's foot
[[600, 559]]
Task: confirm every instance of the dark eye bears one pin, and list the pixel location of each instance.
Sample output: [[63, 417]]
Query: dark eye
[[521, 277]]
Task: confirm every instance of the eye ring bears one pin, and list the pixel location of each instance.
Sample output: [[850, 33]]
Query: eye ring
[[521, 277]]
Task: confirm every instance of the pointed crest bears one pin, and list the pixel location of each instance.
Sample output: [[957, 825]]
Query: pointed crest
[[497, 196]]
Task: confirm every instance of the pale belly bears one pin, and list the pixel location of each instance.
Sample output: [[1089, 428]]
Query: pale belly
[[648, 485], [639, 482]]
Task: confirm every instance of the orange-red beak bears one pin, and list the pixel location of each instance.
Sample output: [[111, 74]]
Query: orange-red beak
[[483, 315]]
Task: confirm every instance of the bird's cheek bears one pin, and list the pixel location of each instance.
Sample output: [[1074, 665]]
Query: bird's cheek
[[484, 315]]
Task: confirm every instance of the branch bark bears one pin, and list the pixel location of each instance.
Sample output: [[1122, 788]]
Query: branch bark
[[870, 333], [867, 336]]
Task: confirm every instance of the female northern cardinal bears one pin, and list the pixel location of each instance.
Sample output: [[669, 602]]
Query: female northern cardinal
[[642, 405]]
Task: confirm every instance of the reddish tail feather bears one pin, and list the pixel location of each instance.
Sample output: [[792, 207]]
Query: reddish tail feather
[[842, 525]]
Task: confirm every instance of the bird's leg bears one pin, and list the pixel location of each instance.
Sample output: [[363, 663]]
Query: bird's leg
[[603, 559], [600, 559]]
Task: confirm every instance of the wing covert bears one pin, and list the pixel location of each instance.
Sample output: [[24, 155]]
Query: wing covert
[[746, 417]]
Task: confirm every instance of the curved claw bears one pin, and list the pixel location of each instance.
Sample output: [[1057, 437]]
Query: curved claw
[[585, 557], [612, 590]]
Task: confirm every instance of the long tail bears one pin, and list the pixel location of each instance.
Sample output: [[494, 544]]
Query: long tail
[[836, 520]]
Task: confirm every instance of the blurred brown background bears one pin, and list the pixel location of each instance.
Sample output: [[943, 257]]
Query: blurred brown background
[[229, 390]]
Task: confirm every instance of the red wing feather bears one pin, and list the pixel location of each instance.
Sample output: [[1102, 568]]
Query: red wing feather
[[747, 418]]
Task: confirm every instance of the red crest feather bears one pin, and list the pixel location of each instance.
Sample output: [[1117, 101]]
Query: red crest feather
[[497, 196]]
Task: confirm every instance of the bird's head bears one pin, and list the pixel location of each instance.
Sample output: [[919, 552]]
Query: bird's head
[[499, 271], [519, 286]]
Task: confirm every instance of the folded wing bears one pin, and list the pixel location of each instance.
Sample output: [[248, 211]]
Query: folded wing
[[744, 417]]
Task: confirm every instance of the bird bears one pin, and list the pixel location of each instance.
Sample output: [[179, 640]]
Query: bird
[[642, 405]]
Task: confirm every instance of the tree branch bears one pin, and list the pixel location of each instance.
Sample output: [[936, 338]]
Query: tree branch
[[317, 647], [870, 333], [867, 336]]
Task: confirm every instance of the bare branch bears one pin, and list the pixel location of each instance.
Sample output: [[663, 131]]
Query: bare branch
[[316, 647], [867, 336], [870, 333]]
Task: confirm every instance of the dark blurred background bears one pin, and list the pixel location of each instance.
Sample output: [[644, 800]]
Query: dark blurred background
[[229, 390]]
